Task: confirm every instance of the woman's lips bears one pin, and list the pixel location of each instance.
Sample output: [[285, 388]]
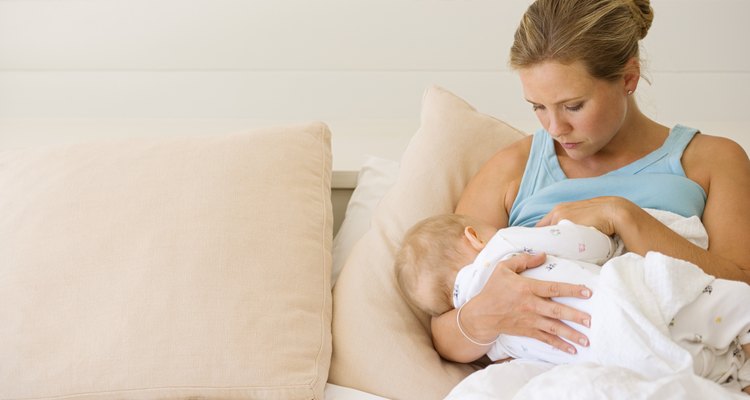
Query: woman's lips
[[569, 146]]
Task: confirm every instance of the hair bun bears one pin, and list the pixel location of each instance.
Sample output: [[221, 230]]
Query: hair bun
[[644, 13]]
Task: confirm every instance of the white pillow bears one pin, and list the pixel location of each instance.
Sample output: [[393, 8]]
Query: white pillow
[[375, 177]]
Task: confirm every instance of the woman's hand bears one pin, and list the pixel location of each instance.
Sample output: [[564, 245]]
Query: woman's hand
[[516, 305], [603, 213]]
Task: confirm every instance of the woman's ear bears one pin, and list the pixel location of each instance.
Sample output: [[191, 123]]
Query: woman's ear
[[473, 237], [631, 75]]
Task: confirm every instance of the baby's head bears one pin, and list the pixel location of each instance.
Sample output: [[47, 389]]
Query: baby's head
[[431, 254]]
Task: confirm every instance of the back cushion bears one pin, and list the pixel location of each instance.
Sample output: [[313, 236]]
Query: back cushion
[[164, 268]]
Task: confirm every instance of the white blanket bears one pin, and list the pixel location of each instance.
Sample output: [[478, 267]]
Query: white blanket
[[536, 380], [637, 297]]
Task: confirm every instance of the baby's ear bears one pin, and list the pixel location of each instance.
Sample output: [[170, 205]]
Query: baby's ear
[[473, 237]]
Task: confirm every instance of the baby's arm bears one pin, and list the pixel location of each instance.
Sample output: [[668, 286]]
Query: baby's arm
[[565, 240]]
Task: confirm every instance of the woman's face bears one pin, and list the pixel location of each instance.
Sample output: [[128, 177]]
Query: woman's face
[[581, 113]]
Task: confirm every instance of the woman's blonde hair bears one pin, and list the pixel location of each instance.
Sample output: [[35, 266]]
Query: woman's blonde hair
[[428, 260], [602, 34]]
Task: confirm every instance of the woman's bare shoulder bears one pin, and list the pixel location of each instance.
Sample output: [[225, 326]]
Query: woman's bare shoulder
[[492, 190], [712, 155], [704, 144], [510, 160]]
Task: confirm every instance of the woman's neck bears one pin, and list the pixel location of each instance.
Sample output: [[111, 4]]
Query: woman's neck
[[637, 137]]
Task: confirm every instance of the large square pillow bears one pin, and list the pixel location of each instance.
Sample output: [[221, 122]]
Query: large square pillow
[[167, 268], [380, 345]]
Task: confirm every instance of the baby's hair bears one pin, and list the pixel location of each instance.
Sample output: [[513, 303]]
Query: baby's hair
[[603, 34], [428, 260]]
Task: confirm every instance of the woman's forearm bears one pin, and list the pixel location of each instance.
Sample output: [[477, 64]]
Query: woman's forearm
[[450, 343], [641, 233]]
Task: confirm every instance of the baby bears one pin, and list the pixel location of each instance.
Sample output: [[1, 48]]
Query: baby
[[445, 260]]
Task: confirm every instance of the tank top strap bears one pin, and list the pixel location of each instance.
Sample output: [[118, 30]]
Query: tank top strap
[[678, 140], [667, 159]]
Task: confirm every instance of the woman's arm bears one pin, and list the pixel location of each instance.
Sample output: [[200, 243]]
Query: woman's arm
[[722, 168], [509, 303], [727, 213]]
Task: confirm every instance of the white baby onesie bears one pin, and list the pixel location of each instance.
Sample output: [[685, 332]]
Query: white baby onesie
[[574, 253]]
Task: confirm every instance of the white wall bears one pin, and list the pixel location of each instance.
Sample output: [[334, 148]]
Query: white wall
[[82, 68]]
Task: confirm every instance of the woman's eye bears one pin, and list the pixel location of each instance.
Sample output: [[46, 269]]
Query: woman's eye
[[574, 107], [537, 107]]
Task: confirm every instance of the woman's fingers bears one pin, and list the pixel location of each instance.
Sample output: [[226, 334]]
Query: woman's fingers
[[560, 330], [559, 289], [524, 261], [552, 313], [554, 341], [553, 331], [558, 312]]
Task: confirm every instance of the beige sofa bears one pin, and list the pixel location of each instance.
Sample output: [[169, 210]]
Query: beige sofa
[[200, 267]]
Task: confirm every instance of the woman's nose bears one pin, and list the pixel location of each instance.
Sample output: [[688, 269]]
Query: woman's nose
[[558, 126]]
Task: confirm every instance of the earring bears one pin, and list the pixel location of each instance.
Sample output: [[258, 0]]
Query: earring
[[630, 92]]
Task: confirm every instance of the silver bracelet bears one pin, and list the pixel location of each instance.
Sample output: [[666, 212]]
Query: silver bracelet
[[461, 329]]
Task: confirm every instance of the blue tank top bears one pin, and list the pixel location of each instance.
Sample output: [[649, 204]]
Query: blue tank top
[[654, 181]]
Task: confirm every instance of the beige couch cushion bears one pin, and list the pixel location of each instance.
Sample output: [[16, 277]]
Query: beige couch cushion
[[191, 267], [379, 344]]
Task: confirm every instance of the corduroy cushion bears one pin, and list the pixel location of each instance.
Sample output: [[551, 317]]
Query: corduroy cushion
[[379, 344], [166, 268]]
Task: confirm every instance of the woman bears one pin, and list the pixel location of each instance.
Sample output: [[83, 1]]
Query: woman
[[597, 161]]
